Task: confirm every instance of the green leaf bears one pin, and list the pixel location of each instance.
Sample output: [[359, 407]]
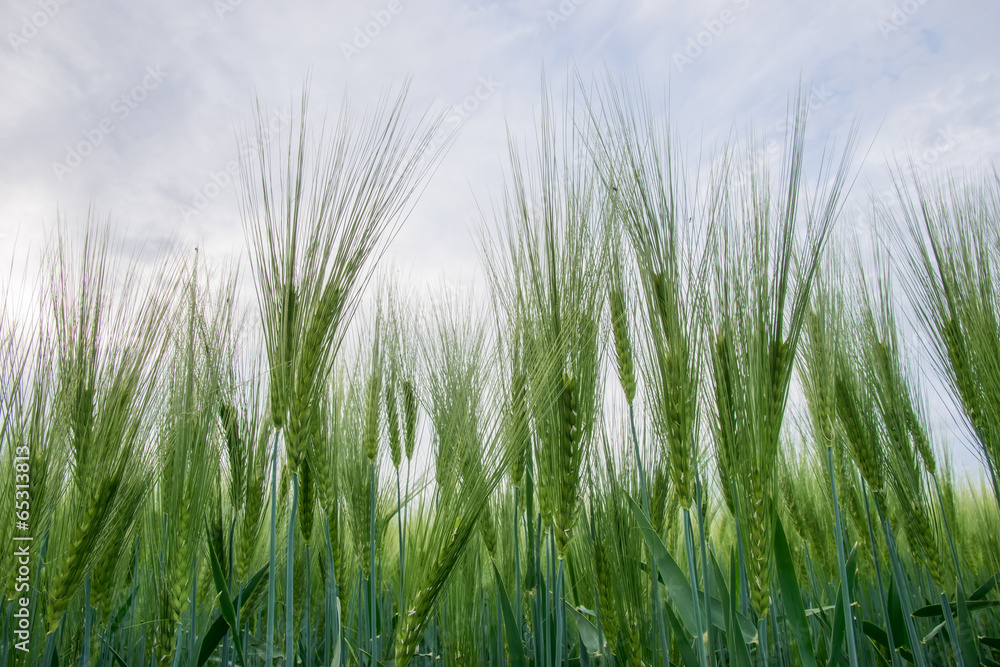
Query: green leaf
[[992, 642], [688, 657], [818, 612], [225, 601], [791, 597], [984, 590], [934, 633], [213, 637], [936, 611], [120, 615], [896, 620], [338, 636], [746, 626], [514, 645], [837, 640], [677, 584], [114, 653], [879, 637], [876, 634], [251, 586], [592, 638]]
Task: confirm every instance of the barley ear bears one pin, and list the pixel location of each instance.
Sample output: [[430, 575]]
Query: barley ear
[[623, 343], [409, 417]]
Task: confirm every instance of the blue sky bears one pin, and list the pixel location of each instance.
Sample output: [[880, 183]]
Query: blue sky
[[153, 92]]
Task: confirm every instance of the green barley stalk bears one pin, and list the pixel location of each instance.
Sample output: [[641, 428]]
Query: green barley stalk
[[545, 264], [453, 359], [188, 466], [763, 281], [661, 217], [819, 379], [370, 440], [618, 546], [109, 344], [888, 375], [394, 342], [626, 375], [316, 218], [28, 384], [656, 208], [252, 512], [953, 253]]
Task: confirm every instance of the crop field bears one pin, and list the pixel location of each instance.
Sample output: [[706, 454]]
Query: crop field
[[691, 421]]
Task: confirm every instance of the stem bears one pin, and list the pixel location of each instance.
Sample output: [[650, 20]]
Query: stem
[[517, 566], [50, 647], [308, 626], [852, 648], [559, 602], [947, 530], [194, 604], [902, 588], [402, 549], [290, 577], [372, 630], [704, 560], [878, 578], [763, 639], [88, 622], [993, 478], [693, 572], [989, 466], [406, 523], [744, 582], [654, 577], [269, 637], [950, 624]]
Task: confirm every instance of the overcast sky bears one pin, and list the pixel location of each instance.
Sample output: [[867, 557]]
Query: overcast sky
[[152, 92]]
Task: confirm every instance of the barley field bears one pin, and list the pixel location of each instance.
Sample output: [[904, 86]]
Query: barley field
[[691, 422]]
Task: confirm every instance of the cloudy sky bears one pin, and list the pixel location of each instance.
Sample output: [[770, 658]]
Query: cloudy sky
[[131, 107]]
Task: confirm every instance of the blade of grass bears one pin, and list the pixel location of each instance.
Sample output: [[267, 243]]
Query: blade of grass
[[226, 605], [791, 597]]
